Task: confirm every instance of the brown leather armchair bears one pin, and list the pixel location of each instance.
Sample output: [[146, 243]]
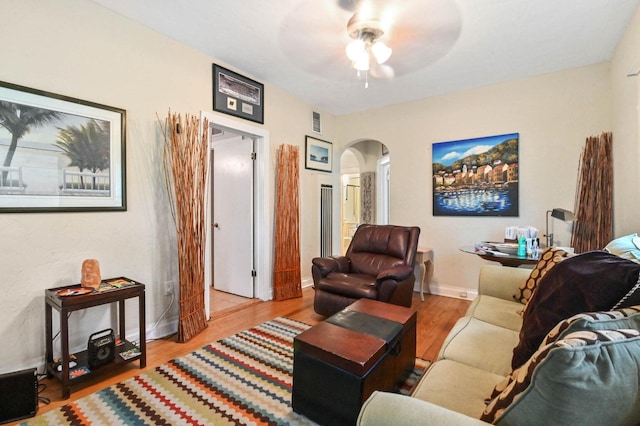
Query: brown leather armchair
[[378, 265]]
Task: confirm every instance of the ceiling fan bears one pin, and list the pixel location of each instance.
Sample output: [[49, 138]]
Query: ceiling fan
[[378, 38]]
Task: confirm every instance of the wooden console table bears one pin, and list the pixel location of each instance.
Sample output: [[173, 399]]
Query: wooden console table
[[67, 304]]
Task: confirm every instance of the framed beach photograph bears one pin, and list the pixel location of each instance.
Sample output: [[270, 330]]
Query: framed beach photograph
[[237, 95], [59, 154], [476, 177], [318, 154]]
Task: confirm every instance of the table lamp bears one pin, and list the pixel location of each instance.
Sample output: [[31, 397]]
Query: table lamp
[[558, 213]]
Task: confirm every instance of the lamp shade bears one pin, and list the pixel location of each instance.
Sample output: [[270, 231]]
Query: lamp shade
[[381, 51], [563, 214], [355, 49], [362, 62]]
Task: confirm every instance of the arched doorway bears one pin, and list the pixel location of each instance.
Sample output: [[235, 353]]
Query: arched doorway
[[364, 172]]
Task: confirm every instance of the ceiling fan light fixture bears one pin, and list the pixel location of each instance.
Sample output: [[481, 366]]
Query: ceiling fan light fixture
[[381, 52], [362, 62], [355, 49], [365, 46]]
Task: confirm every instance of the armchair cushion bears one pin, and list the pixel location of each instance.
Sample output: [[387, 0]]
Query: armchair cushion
[[356, 286], [397, 273]]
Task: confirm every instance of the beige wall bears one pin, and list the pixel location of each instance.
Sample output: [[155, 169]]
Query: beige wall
[[79, 49], [626, 130], [553, 113]]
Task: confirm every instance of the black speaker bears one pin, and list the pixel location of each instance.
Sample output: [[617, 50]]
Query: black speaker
[[19, 392], [101, 348]]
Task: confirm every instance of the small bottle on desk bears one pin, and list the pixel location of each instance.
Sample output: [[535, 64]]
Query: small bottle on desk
[[522, 246]]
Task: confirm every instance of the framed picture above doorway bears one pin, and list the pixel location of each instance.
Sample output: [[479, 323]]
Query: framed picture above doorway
[[237, 95]]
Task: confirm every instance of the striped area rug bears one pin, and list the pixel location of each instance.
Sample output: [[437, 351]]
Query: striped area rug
[[244, 379]]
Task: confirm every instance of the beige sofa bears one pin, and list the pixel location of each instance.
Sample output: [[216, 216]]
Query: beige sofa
[[476, 356]]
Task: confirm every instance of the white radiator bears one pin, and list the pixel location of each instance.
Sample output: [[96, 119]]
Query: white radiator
[[326, 231]]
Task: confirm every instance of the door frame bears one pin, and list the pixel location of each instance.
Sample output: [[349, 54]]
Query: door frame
[[263, 207]]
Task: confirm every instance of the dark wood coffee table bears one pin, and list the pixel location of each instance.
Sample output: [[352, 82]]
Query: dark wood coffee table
[[340, 362]]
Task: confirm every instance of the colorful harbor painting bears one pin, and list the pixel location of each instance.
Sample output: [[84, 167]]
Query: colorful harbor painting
[[476, 177]]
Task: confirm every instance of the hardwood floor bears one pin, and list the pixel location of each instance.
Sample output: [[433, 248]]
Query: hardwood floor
[[436, 316]]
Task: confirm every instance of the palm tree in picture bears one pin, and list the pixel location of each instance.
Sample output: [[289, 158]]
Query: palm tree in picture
[[87, 146], [20, 120]]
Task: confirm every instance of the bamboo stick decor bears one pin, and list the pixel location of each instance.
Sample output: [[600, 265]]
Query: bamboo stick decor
[[287, 281], [185, 164], [594, 195]]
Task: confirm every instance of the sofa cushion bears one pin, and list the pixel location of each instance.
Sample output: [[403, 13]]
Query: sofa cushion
[[548, 259], [609, 320], [386, 408], [627, 247], [589, 377], [587, 282], [496, 311], [456, 386], [481, 345]]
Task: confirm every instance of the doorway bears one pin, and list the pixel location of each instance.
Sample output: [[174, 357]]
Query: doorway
[[232, 198], [262, 208], [364, 171]]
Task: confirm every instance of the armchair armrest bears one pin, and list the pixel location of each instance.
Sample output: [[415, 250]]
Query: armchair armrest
[[397, 273], [326, 265]]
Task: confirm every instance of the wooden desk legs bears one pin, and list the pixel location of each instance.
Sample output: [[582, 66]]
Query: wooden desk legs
[[65, 358], [143, 332]]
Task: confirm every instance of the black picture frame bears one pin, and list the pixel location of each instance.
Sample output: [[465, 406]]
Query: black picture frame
[[318, 154], [237, 95], [72, 157]]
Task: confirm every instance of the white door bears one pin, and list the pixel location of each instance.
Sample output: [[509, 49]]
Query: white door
[[232, 221]]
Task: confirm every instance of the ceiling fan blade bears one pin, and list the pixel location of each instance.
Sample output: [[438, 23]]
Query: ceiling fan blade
[[382, 71], [419, 32]]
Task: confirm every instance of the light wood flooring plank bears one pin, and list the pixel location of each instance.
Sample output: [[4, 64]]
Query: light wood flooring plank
[[436, 316]]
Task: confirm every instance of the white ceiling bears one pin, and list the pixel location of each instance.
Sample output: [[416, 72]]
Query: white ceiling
[[440, 46]]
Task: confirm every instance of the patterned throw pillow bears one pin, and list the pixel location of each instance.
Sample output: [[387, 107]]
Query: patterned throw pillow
[[548, 259], [627, 247], [609, 320], [521, 383], [587, 282]]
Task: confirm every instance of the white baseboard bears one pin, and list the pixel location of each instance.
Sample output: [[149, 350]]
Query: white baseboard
[[164, 330], [307, 282], [450, 291]]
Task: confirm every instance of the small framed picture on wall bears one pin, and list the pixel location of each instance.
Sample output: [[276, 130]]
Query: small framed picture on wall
[[318, 154]]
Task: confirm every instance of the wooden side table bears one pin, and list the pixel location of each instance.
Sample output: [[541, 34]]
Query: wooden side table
[[424, 259], [67, 304]]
